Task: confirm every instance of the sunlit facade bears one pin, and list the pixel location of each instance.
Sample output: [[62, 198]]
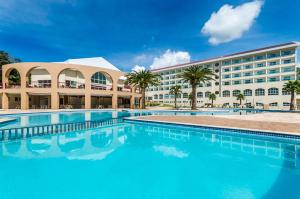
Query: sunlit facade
[[258, 74]]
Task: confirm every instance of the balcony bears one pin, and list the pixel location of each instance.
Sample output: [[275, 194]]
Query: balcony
[[101, 87], [69, 84], [124, 88], [39, 84], [12, 85]]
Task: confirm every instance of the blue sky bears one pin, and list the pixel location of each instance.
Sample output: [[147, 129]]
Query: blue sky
[[143, 32]]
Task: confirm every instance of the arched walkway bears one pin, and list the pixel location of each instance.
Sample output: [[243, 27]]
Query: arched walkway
[[13, 78], [71, 78]]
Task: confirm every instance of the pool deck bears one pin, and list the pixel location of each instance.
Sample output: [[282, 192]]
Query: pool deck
[[288, 123]]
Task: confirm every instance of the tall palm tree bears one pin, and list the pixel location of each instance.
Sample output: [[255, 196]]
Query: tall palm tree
[[240, 97], [212, 97], [293, 87], [175, 90], [143, 79], [196, 75]]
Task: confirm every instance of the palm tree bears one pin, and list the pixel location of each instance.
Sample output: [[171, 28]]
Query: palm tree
[[143, 79], [196, 75], [240, 97], [293, 87], [175, 90], [212, 97]]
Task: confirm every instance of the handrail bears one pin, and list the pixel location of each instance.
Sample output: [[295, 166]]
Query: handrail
[[32, 131]]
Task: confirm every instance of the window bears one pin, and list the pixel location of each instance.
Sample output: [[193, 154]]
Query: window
[[273, 104], [260, 57], [98, 78], [247, 59], [273, 79], [226, 83], [288, 61], [226, 63], [259, 92], [287, 52], [287, 78], [236, 93], [284, 92], [236, 68], [260, 80], [273, 91], [273, 55], [259, 104], [237, 82], [166, 96], [288, 69], [248, 81], [273, 63], [207, 93], [258, 65], [247, 74], [226, 76], [248, 92], [236, 75], [185, 95], [260, 72], [161, 96], [199, 94], [208, 85], [236, 61], [286, 104], [274, 71], [226, 69], [226, 93], [248, 66], [155, 96]]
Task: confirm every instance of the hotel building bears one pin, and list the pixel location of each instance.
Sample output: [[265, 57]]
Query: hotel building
[[258, 74], [76, 83]]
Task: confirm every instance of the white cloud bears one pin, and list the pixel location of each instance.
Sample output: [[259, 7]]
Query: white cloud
[[170, 58], [138, 68], [230, 23]]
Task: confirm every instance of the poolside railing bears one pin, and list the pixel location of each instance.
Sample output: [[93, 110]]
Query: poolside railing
[[31, 131]]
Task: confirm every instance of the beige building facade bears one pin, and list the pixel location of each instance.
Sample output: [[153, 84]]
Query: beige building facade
[[78, 83], [258, 74]]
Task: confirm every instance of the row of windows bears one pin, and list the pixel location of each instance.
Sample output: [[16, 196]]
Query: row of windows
[[258, 92], [259, 57], [260, 72], [259, 80], [258, 65]]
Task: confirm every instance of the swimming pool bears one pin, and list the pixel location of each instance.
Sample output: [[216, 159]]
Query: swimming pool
[[149, 160], [37, 119]]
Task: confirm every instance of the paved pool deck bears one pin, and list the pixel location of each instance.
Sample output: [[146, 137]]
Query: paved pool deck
[[276, 122]]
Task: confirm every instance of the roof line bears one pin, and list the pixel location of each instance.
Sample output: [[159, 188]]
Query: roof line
[[229, 55]]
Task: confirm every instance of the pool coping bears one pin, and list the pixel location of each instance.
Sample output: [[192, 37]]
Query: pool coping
[[216, 127]]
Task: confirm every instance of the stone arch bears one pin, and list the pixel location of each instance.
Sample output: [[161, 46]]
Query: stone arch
[[12, 78], [38, 76], [101, 81], [71, 78]]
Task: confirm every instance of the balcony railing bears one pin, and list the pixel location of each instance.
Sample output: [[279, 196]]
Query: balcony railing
[[71, 85], [37, 84], [101, 87], [124, 88], [12, 85]]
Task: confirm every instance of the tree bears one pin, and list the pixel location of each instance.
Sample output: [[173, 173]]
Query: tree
[[175, 90], [212, 97], [293, 87], [195, 75], [5, 58], [143, 79], [240, 97]]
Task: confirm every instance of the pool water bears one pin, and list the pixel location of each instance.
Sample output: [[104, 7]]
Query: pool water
[[146, 160], [36, 119]]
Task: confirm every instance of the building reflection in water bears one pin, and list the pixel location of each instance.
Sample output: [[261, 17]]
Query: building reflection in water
[[91, 144]]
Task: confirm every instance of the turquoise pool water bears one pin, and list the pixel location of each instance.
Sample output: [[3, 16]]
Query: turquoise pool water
[[36, 119], [139, 160]]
